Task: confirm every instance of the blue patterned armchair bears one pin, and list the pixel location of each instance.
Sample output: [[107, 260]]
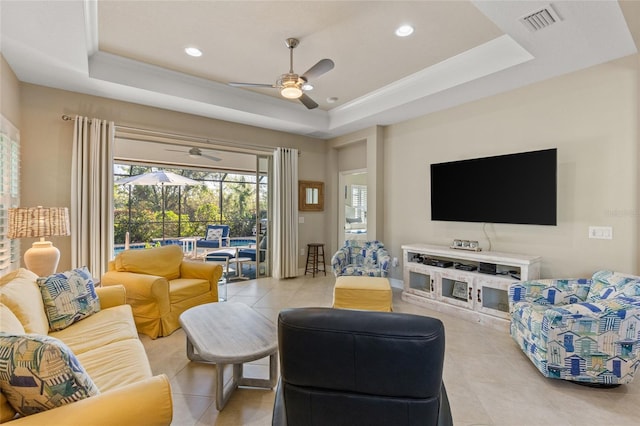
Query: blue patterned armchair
[[584, 330], [368, 258]]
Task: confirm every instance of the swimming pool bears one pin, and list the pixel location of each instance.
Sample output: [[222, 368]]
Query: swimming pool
[[234, 242], [120, 247], [242, 241]]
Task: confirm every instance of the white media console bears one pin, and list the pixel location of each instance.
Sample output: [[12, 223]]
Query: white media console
[[431, 280]]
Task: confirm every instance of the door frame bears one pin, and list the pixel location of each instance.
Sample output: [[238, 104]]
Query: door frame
[[342, 195]]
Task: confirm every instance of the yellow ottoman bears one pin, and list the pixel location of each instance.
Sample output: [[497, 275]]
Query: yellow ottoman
[[369, 293]]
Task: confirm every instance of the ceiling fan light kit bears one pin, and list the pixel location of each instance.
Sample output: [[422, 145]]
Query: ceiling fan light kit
[[292, 85], [291, 91]]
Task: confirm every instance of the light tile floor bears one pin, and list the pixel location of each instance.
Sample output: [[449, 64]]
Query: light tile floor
[[488, 378]]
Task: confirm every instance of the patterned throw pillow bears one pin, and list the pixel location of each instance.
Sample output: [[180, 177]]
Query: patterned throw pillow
[[214, 234], [38, 373], [68, 297]]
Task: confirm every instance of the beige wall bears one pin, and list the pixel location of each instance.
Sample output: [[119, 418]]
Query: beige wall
[[311, 226], [591, 116], [636, 213], [352, 157], [9, 93], [46, 145]]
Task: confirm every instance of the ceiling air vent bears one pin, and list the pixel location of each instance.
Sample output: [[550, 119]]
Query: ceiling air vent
[[540, 19]]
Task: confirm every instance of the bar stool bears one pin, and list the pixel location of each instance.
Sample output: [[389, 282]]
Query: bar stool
[[315, 253]]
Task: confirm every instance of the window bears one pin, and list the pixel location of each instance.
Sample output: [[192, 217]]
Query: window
[[359, 201], [224, 198], [9, 192]]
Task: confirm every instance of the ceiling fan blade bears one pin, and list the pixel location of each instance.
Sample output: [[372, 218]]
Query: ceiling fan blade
[[174, 150], [250, 85], [323, 66], [211, 157], [308, 102]]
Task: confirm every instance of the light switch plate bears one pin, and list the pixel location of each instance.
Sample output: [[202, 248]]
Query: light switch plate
[[601, 232]]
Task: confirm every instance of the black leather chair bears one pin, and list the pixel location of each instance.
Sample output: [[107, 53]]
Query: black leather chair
[[348, 367]]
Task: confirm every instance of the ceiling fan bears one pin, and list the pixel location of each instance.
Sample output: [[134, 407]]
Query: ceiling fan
[[292, 85], [196, 152]]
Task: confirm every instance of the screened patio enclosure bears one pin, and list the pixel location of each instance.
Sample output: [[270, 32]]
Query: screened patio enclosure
[[152, 215], [233, 190], [235, 199]]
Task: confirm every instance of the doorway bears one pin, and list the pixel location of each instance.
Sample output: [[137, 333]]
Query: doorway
[[233, 191], [352, 206]]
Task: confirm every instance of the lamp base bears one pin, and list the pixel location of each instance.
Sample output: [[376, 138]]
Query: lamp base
[[42, 258]]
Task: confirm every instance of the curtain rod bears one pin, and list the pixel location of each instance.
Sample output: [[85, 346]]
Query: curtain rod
[[187, 138], [66, 117]]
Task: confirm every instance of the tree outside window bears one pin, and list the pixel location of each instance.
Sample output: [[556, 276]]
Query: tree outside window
[[224, 198]]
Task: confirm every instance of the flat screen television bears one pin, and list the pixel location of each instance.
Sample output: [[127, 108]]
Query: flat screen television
[[515, 188]]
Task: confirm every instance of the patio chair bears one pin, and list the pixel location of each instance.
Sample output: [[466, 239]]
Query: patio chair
[[217, 236], [250, 252]]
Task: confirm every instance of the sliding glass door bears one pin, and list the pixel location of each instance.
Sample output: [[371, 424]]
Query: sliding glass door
[[263, 216]]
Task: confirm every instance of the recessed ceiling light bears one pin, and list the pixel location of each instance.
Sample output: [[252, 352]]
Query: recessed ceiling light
[[404, 30], [332, 100], [193, 51], [307, 86]]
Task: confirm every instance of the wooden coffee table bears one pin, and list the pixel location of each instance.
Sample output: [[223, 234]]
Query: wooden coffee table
[[230, 333]]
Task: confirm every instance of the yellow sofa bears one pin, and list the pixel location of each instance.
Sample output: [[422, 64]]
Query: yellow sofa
[[106, 344], [160, 286]]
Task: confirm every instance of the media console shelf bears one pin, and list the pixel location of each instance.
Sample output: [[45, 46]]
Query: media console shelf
[[432, 280]]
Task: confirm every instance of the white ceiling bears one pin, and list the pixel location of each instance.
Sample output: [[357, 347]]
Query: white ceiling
[[460, 51]]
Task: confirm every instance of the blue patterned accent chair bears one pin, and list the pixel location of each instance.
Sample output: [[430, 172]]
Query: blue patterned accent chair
[[361, 258], [583, 330], [217, 236]]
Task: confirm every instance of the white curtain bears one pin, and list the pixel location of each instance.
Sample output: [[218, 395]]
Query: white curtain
[[285, 213], [92, 194]]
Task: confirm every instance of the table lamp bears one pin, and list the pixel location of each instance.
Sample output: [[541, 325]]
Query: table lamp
[[39, 222]]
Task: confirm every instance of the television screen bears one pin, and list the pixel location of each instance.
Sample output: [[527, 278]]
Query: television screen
[[514, 188]]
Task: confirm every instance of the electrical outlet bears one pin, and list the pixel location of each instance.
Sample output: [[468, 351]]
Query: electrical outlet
[[395, 262], [601, 232]]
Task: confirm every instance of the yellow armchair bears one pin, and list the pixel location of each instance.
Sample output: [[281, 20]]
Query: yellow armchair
[[160, 285]]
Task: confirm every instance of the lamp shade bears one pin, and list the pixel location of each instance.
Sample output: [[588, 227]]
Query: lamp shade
[[39, 222], [36, 222]]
